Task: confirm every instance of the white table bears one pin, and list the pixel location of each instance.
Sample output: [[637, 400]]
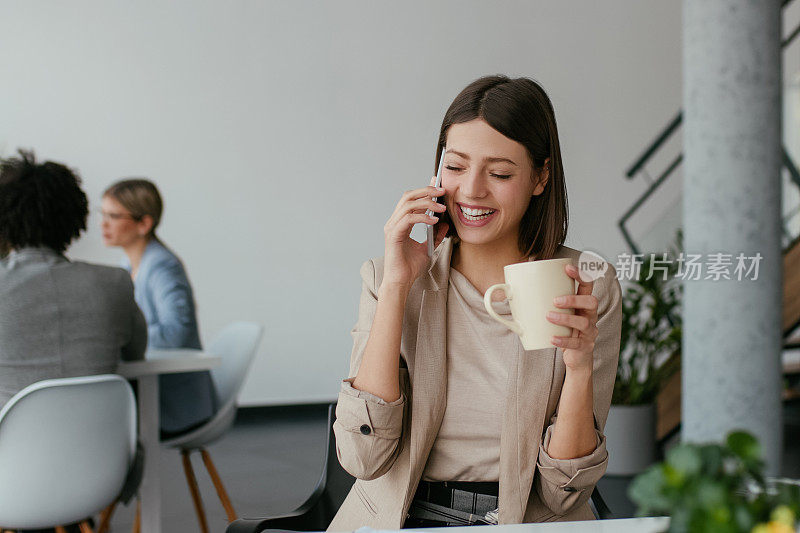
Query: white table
[[157, 362], [622, 525]]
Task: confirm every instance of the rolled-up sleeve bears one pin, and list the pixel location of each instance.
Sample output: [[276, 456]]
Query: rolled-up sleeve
[[368, 429], [564, 484]]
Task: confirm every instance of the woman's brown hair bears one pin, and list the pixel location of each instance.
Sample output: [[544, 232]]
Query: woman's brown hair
[[521, 110], [140, 197]]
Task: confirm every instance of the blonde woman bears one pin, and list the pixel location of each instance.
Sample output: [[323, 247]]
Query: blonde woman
[[131, 211]]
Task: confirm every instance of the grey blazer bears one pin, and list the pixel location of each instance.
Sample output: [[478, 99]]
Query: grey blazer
[[60, 318], [386, 446]]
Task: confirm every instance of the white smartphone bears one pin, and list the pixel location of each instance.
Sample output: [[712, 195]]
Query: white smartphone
[[430, 212]]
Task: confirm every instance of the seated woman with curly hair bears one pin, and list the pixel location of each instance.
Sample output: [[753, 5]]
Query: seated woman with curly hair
[[58, 318]]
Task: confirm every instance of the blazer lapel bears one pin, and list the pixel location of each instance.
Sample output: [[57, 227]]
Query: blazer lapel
[[523, 424], [429, 377]]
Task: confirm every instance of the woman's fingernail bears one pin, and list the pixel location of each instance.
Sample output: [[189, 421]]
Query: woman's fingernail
[[552, 314], [559, 299], [555, 340]]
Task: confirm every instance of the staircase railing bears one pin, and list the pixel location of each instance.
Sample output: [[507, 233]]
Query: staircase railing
[[669, 399], [639, 165]]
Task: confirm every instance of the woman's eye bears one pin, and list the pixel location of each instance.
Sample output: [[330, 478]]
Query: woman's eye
[[450, 167], [501, 176]]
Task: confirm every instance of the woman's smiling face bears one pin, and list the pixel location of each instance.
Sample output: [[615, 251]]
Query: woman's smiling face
[[489, 182]]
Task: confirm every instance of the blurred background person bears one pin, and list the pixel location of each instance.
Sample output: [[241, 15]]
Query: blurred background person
[[131, 212], [58, 318]]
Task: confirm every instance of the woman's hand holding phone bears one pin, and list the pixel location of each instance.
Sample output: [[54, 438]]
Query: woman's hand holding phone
[[406, 259]]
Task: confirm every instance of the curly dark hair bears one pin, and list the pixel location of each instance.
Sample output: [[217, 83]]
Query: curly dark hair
[[41, 204]]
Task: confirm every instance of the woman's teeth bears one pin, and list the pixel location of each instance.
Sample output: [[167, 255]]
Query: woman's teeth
[[476, 214]]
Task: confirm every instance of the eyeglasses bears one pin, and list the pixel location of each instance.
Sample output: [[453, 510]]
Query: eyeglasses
[[117, 216]]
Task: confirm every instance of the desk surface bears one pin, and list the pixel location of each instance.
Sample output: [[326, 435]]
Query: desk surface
[[168, 362], [623, 525], [157, 362]]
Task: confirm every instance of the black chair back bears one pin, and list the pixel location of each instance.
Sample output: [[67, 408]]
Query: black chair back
[[332, 488], [317, 512]]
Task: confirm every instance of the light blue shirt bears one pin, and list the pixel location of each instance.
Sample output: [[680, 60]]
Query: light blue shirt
[[163, 293]]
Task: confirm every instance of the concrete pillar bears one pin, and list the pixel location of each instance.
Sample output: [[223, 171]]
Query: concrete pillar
[[732, 204]]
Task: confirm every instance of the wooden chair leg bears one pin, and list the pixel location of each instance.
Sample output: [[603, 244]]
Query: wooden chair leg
[[137, 519], [85, 527], [192, 482], [223, 494], [105, 517]]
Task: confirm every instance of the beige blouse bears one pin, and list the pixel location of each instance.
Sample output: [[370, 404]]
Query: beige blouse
[[480, 351]]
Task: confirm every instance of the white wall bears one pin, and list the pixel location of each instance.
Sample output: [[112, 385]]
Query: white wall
[[282, 133]]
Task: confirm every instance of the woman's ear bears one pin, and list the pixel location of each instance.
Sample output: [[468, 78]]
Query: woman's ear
[[145, 225], [544, 177]]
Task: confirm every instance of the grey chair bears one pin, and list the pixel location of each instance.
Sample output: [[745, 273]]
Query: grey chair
[[66, 448], [236, 345]]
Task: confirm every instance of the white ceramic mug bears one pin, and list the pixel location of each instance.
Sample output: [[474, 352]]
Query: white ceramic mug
[[530, 288]]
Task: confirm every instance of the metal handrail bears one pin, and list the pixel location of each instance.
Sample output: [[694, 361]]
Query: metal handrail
[[673, 124], [643, 198], [788, 163], [664, 136], [786, 42]]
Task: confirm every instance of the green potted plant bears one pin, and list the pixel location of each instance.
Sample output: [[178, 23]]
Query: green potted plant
[[649, 354], [717, 488]]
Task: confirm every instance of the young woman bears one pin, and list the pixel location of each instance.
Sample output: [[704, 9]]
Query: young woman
[[446, 419], [131, 212]]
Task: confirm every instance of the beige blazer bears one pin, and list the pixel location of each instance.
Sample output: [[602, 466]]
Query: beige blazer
[[386, 445]]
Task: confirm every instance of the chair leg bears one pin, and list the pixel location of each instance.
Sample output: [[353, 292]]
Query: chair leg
[[223, 494], [137, 519], [85, 527], [192, 482], [105, 517]]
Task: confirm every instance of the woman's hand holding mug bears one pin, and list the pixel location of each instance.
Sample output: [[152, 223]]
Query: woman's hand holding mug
[[406, 259], [579, 347]]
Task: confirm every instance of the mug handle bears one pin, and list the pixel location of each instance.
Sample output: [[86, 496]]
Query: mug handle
[[487, 302]]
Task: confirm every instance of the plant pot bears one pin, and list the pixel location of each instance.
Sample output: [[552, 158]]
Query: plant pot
[[630, 439]]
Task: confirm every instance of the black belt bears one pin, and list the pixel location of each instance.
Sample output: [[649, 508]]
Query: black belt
[[453, 503]]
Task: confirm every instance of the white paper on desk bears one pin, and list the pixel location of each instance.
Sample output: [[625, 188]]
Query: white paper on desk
[[367, 529]]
